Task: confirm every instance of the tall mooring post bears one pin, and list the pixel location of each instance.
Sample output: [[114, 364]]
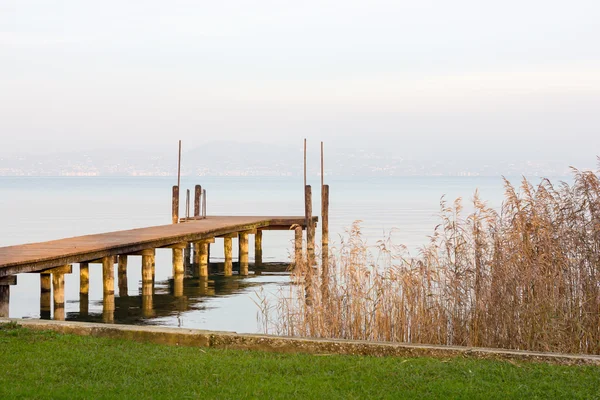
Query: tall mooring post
[[175, 205], [325, 239]]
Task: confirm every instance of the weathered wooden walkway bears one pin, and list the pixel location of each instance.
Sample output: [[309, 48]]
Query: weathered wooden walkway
[[38, 257]]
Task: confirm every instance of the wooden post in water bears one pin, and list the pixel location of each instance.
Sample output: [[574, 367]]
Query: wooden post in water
[[178, 265], [45, 294], [187, 255], [108, 275], [298, 244], [325, 240], [243, 238], [108, 289], [147, 281], [175, 203], [197, 199], [122, 274], [258, 251], [4, 301], [227, 247], [204, 203], [84, 277], [203, 263], [58, 291]]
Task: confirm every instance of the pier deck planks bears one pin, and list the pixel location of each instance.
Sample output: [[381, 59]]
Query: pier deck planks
[[34, 257]]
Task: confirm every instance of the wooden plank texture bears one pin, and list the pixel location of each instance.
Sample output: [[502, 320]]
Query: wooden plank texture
[[35, 257]]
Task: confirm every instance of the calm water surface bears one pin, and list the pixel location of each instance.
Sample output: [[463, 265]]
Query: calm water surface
[[36, 209]]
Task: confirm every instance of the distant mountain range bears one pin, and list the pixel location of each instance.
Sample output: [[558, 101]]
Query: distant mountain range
[[261, 159]]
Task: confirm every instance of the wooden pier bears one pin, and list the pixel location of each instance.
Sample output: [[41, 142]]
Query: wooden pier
[[53, 259]]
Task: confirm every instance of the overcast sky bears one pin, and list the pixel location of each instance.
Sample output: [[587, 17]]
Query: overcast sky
[[463, 78]]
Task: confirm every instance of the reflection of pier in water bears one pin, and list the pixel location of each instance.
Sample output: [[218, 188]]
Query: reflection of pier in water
[[163, 298]]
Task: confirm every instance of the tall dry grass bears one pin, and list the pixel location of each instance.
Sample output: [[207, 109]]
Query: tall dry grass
[[525, 277]]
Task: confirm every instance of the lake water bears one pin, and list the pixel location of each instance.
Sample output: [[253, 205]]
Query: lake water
[[34, 209]]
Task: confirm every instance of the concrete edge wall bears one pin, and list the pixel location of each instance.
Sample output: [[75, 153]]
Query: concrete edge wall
[[282, 344]]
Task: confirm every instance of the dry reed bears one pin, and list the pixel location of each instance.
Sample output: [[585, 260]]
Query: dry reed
[[524, 277]]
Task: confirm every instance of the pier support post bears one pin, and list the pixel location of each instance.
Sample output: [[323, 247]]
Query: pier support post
[[147, 282], [228, 249], [58, 290], [108, 275], [178, 285], [258, 248], [243, 255], [108, 289], [175, 201], [203, 263], [84, 277], [147, 266], [45, 294], [178, 265], [297, 245], [122, 273], [4, 300]]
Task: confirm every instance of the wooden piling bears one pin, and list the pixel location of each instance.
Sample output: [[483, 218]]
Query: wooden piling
[[178, 265], [227, 247], [258, 248], [58, 291], [45, 295], [310, 230], [203, 262], [197, 197], [147, 262], [325, 238], [204, 203], [4, 301], [298, 244], [84, 278], [175, 203], [122, 274], [243, 255], [108, 275]]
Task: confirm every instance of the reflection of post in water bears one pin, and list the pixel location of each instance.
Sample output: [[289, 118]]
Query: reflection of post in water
[[108, 308], [45, 293], [203, 286], [147, 282], [108, 280], [122, 273], [178, 285]]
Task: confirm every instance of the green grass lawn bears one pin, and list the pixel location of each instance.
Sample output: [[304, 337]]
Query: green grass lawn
[[37, 364]]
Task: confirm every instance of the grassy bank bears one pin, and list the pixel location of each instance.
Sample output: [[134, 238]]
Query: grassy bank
[[49, 365]]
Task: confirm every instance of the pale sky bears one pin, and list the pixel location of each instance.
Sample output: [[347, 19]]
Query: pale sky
[[432, 78]]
